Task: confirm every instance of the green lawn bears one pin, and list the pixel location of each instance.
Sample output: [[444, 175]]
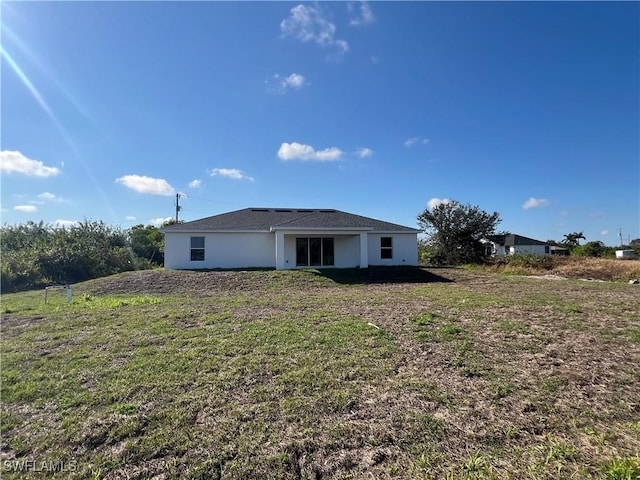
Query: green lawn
[[411, 373]]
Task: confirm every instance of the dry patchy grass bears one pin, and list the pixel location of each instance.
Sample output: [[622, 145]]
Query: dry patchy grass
[[440, 373], [571, 267], [599, 268]]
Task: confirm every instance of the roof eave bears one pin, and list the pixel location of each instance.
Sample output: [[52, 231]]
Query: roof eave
[[211, 230], [322, 229]]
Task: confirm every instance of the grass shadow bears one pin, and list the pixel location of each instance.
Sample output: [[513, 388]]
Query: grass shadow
[[380, 275]]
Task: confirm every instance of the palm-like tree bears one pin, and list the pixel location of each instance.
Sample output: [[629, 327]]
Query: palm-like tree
[[573, 239]]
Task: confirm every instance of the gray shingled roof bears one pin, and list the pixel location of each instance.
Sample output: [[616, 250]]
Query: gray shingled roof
[[511, 240], [263, 219]]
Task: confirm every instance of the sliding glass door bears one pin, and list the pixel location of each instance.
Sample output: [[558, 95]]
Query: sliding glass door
[[314, 252]]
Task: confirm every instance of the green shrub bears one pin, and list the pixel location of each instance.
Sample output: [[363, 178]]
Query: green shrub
[[594, 249], [18, 271], [525, 260], [35, 254]]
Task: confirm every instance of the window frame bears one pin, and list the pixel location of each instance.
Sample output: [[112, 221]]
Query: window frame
[[326, 252], [302, 250], [386, 251], [197, 253]]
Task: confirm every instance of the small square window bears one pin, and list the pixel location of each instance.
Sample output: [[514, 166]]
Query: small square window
[[197, 249], [386, 247]]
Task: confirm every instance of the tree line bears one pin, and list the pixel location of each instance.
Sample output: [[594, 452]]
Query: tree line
[[38, 254], [456, 233]]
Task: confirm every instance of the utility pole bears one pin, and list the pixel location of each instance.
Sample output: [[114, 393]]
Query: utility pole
[[178, 207], [620, 235]]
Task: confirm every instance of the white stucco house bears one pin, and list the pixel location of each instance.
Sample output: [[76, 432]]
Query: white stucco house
[[512, 244], [288, 238]]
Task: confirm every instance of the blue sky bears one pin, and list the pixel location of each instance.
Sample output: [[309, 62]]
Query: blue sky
[[383, 108]]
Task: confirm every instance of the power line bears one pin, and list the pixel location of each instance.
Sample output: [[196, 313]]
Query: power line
[[191, 210], [181, 208], [212, 201]]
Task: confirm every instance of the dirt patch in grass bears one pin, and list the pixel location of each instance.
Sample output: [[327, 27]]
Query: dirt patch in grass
[[398, 373], [205, 283]]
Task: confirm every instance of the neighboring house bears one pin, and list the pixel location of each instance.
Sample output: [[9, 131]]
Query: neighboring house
[[511, 244], [286, 238], [560, 251]]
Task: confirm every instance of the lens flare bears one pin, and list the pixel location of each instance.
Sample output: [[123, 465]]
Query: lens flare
[[54, 119], [34, 91], [34, 59]]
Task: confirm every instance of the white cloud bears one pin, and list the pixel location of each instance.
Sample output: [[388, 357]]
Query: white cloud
[[295, 80], [158, 222], [232, 173], [604, 232], [195, 183], [130, 218], [434, 202], [47, 196], [306, 153], [410, 142], [343, 47], [142, 184], [535, 203], [365, 15], [16, 162], [364, 152], [50, 197], [26, 208], [596, 215], [65, 223], [279, 84], [307, 24]]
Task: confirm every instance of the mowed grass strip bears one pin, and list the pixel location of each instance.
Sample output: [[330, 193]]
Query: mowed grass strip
[[304, 375]]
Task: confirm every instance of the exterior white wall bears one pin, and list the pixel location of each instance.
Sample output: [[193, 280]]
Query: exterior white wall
[[258, 249], [222, 250], [347, 251], [289, 251], [498, 250], [531, 249], [501, 251], [405, 249]]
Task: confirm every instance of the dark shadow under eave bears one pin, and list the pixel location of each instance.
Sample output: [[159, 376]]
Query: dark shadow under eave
[[356, 276], [380, 275]]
